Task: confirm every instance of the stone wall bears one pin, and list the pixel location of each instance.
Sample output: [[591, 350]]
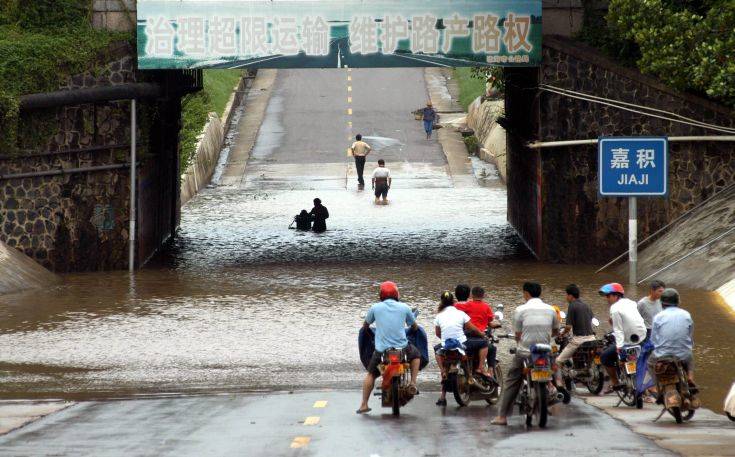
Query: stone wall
[[481, 118], [116, 15], [79, 220], [575, 224]]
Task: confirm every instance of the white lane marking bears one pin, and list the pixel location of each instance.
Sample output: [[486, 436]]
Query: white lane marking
[[257, 61]]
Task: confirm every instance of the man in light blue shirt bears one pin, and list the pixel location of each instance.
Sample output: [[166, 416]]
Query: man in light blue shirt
[[390, 317], [671, 333]]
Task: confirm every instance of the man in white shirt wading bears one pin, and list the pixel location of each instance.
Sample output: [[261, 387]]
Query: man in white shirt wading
[[381, 182], [628, 328]]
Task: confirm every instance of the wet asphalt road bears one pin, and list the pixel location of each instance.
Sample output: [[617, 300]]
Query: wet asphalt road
[[315, 423]]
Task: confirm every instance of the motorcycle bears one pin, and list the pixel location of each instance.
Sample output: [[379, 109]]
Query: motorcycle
[[394, 391], [533, 397], [585, 366], [730, 403], [462, 379], [626, 369], [674, 392]]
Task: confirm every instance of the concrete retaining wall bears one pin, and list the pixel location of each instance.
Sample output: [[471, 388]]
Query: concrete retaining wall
[[200, 170], [481, 118]]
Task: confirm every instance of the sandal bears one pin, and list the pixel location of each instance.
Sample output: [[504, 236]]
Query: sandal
[[363, 411], [412, 389]]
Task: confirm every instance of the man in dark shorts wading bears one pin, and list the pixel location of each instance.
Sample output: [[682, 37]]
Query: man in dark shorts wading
[[381, 182]]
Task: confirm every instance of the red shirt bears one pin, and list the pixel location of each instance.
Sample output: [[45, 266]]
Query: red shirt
[[480, 313]]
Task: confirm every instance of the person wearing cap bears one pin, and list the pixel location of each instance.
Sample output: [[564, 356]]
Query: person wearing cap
[[390, 317], [671, 334], [628, 328], [429, 116]]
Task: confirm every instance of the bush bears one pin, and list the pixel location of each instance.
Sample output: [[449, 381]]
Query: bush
[[46, 14], [472, 143]]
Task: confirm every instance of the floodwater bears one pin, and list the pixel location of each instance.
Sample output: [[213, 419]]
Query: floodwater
[[240, 302]]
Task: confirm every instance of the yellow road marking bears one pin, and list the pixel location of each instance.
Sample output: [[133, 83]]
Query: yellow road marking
[[311, 420], [349, 99], [319, 402], [349, 88], [349, 111], [300, 441], [349, 78]]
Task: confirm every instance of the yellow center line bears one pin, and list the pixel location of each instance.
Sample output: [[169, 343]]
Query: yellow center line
[[300, 441], [349, 99], [349, 78], [319, 402], [349, 88], [311, 420], [349, 111]]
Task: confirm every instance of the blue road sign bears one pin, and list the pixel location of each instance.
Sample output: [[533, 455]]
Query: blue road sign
[[633, 167]]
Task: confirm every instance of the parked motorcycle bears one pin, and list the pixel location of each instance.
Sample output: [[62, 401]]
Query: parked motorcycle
[[462, 379], [626, 369], [730, 403], [674, 392], [533, 397], [585, 366]]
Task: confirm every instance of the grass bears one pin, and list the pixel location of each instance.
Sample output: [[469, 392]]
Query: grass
[[218, 86], [469, 88]]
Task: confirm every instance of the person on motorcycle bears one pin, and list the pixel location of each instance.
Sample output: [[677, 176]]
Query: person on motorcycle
[[578, 324], [533, 323], [628, 328], [482, 317], [671, 334], [650, 305], [390, 317], [451, 323], [462, 294]]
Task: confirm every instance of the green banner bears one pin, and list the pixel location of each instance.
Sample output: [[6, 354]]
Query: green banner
[[337, 33]]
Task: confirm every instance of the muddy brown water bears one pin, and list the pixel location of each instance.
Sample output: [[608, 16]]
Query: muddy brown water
[[240, 302]]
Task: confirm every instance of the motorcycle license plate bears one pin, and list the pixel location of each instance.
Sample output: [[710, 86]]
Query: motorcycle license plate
[[540, 375], [630, 367], [598, 360]]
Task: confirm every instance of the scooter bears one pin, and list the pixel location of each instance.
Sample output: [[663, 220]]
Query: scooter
[[730, 403]]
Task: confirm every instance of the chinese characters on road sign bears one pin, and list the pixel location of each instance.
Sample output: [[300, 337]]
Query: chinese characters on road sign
[[633, 166], [226, 30]]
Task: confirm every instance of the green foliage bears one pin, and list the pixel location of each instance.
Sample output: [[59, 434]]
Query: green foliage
[[196, 107], [688, 45], [46, 14], [42, 42], [472, 144]]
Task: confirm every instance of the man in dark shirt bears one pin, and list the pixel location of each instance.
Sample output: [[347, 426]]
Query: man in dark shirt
[[319, 215], [578, 322], [429, 115]]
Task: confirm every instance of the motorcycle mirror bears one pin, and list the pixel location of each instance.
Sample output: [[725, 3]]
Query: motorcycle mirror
[[563, 314], [499, 315], [415, 312], [500, 306], [595, 322], [363, 315]]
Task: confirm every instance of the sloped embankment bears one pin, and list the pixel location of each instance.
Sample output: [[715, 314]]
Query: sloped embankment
[[18, 272], [711, 267]]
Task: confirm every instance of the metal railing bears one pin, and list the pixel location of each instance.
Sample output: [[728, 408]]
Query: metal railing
[[669, 225]]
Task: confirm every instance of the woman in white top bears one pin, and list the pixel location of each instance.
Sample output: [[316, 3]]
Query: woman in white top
[[450, 323]]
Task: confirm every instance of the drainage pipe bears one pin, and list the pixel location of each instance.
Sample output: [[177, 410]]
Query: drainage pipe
[[133, 193], [65, 171], [673, 139], [90, 95]]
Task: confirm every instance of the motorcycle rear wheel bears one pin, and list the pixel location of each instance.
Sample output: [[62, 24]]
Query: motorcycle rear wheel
[[688, 415], [395, 395], [597, 380], [542, 404], [460, 388], [731, 417], [627, 394]]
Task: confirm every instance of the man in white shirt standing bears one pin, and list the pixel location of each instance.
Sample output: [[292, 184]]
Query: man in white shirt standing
[[533, 323], [628, 328], [381, 182], [360, 151]]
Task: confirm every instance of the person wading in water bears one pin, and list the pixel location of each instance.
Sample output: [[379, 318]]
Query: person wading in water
[[319, 215]]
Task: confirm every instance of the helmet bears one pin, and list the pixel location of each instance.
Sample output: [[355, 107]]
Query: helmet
[[612, 288], [670, 297], [388, 289]]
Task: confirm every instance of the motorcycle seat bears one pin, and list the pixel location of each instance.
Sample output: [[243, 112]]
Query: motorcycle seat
[[540, 348]]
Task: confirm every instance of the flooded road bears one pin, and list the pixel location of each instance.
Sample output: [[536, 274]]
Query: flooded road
[[240, 302]]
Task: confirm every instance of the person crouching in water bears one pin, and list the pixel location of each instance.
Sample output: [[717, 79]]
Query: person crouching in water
[[381, 182], [451, 324], [319, 215], [303, 221]]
